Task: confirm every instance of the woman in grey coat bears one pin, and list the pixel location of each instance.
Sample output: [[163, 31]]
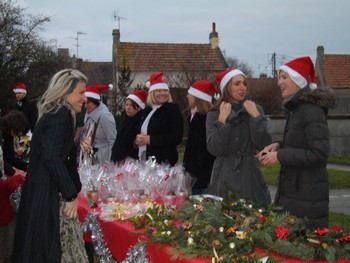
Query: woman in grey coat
[[236, 131], [303, 181], [99, 124]]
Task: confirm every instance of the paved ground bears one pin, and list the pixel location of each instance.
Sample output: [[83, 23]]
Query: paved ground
[[339, 199]]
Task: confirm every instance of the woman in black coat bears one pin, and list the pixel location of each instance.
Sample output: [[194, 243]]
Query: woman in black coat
[[303, 182], [47, 227], [162, 124], [197, 160], [124, 145]]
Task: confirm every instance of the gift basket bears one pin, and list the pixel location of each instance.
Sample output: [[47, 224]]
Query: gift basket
[[126, 189]]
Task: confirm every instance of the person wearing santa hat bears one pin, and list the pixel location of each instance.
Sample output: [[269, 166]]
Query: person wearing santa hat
[[47, 226], [198, 162], [100, 128], [128, 127], [26, 106], [236, 129], [303, 188], [161, 124]]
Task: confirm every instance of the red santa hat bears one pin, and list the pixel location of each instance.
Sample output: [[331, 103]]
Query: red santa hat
[[140, 97], [203, 89], [94, 91], [156, 82], [20, 88], [226, 75], [301, 70]]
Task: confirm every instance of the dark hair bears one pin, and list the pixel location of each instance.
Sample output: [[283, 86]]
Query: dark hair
[[94, 101], [15, 121], [133, 104]]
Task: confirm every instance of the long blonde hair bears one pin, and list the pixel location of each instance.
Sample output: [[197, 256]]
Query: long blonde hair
[[61, 84]]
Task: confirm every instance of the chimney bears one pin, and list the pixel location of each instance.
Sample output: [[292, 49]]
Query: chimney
[[320, 51], [214, 38]]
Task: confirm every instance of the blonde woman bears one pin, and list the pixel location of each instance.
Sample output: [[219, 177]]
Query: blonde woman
[[162, 124], [47, 227]]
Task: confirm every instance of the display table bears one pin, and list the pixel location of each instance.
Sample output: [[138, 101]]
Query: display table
[[120, 236]]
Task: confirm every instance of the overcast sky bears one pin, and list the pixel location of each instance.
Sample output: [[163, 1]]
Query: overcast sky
[[250, 30]]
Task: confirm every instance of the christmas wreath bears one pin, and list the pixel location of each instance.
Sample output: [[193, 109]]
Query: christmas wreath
[[229, 231]]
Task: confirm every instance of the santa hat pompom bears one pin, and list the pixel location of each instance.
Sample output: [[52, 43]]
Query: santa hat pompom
[[313, 86], [148, 84], [110, 86], [217, 96]]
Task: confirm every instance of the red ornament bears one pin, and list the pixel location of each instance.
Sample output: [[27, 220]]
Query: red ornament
[[344, 239], [321, 231], [281, 232], [336, 228]]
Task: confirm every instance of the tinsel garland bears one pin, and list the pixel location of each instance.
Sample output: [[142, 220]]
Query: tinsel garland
[[15, 198], [136, 254], [101, 249]]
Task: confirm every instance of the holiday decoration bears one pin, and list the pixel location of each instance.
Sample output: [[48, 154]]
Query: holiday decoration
[[229, 231], [15, 198], [101, 249], [136, 254]]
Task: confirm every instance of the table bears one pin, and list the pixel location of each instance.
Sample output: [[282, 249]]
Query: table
[[120, 236]]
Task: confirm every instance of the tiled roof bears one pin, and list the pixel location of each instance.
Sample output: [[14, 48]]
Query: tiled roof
[[171, 57], [336, 70]]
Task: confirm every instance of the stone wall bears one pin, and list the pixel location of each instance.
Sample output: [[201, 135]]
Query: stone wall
[[339, 131]]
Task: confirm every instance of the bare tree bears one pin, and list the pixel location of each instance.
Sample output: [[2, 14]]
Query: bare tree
[[233, 62], [24, 56]]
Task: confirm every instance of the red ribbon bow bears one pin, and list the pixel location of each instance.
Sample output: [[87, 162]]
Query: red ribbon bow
[[281, 232]]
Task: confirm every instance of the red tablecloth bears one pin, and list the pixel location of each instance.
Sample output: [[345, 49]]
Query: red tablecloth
[[121, 235]]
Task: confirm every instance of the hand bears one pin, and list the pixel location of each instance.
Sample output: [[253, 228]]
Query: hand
[[268, 158], [250, 107], [225, 110], [85, 144], [71, 209], [142, 139]]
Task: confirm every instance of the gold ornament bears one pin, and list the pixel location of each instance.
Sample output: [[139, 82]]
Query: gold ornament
[[291, 221], [190, 241], [324, 246]]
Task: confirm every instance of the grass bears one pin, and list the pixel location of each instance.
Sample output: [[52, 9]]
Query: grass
[[337, 179], [339, 160]]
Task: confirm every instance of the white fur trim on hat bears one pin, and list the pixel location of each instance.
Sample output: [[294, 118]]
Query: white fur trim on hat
[[229, 76], [20, 91], [156, 86], [199, 94], [92, 95], [295, 76], [137, 100]]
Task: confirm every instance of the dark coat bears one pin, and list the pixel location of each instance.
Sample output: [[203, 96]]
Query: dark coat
[[197, 160], [10, 159], [30, 110], [303, 182], [165, 129], [124, 144], [52, 171], [235, 144]]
